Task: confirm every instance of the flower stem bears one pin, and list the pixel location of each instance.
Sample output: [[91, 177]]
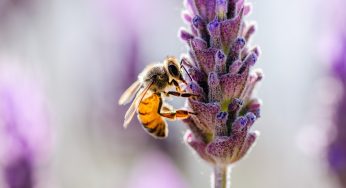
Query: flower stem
[[222, 177]]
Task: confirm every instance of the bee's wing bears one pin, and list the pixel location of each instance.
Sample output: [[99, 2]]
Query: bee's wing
[[132, 110], [130, 93]]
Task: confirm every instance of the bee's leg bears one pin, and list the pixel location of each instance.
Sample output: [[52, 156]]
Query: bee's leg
[[171, 114], [185, 61], [180, 94], [177, 87], [178, 114], [188, 63]]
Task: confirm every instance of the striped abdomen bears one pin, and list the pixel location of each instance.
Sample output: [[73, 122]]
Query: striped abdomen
[[148, 115]]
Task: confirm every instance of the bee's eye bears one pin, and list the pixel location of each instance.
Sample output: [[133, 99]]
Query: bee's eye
[[173, 70]]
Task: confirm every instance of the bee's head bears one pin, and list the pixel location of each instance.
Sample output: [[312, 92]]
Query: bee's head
[[172, 67]]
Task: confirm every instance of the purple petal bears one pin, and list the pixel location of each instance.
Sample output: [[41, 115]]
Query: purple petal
[[205, 59], [221, 127], [230, 30], [206, 113], [198, 145], [221, 9], [249, 142], [220, 62], [215, 35], [233, 85], [185, 35], [215, 93], [250, 30]]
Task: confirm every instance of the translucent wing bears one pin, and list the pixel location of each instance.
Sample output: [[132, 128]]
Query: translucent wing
[[130, 93], [132, 110]]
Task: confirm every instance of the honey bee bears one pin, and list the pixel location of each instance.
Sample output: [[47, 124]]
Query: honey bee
[[146, 96]]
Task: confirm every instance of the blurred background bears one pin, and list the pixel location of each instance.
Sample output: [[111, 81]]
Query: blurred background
[[76, 58]]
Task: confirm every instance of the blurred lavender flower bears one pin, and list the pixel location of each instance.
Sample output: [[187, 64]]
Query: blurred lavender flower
[[337, 148], [10, 8], [336, 48], [156, 170], [222, 77], [24, 131]]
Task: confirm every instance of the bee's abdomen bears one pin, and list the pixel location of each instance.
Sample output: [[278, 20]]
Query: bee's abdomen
[[157, 128], [152, 122]]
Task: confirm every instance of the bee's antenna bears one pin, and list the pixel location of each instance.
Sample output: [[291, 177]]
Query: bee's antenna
[[183, 60]]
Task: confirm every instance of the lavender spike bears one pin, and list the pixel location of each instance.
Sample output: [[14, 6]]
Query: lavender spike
[[220, 132]]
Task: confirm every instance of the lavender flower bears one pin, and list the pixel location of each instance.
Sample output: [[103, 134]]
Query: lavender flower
[[222, 77], [23, 128], [336, 149]]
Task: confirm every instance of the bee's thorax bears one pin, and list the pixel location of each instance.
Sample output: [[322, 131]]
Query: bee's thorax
[[157, 76]]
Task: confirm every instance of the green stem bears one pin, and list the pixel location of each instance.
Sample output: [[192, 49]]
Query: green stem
[[222, 177]]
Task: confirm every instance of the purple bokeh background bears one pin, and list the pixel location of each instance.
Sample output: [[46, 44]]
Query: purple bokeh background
[[85, 53], [26, 139]]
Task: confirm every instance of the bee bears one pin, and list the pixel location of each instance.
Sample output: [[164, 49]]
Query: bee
[[146, 96]]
